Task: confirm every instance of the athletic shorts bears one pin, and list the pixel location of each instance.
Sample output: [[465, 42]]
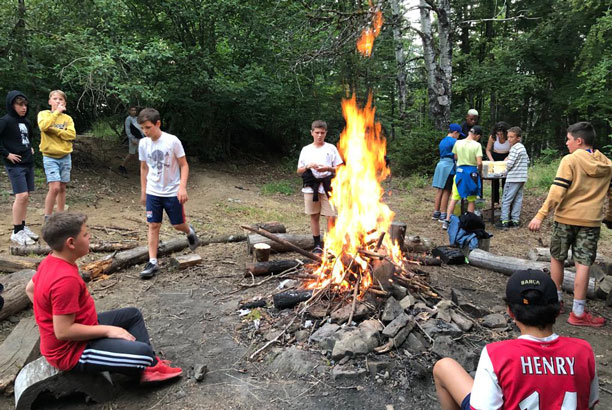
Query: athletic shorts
[[322, 206], [157, 204], [58, 169], [22, 178], [582, 239], [455, 195], [133, 148], [465, 404], [448, 186]]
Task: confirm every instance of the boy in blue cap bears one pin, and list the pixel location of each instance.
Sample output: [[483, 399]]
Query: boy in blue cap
[[445, 171]]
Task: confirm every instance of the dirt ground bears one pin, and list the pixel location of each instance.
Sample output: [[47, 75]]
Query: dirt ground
[[192, 314]]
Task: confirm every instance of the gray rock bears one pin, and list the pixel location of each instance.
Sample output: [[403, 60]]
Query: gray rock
[[473, 310], [415, 345], [371, 325], [458, 297], [399, 322], [199, 372], [407, 301], [302, 335], [437, 327], [422, 307], [494, 321], [377, 366], [444, 310], [341, 315], [295, 362], [401, 336], [392, 310], [498, 309], [355, 341], [445, 346], [272, 334], [347, 373], [326, 336], [463, 322], [398, 292]]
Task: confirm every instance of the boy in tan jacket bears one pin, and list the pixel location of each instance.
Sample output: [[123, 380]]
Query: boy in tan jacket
[[577, 198], [56, 135]]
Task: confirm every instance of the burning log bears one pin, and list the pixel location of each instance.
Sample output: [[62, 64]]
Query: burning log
[[282, 241], [508, 264], [40, 249], [270, 267], [10, 263], [291, 298], [302, 241]]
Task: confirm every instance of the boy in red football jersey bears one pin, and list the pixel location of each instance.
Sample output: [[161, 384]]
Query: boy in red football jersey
[[72, 334], [539, 370]]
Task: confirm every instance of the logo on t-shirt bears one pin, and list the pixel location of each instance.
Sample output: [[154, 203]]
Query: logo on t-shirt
[[23, 129], [158, 157]]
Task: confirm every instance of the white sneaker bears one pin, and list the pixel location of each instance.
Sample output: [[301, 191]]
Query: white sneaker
[[21, 238], [30, 233]]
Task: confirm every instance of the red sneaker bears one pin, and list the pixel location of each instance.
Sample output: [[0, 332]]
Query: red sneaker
[[585, 320], [160, 372]]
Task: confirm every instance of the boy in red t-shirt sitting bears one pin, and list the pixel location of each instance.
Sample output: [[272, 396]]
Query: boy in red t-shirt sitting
[[72, 334]]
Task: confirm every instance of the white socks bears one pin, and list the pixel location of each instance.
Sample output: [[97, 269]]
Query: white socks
[[560, 295], [153, 261], [578, 307]]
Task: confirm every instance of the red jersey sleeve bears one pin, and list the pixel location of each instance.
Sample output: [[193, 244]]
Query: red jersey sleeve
[[65, 294]]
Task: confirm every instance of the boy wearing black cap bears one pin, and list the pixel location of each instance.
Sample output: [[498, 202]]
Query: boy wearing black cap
[[468, 154], [16, 148], [538, 370], [445, 172]]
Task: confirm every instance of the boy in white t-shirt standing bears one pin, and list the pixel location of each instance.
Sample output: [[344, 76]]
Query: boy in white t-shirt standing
[[317, 166], [163, 181]]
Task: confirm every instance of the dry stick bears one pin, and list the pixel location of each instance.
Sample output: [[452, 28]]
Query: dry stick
[[288, 244], [279, 276], [423, 330], [380, 241], [273, 340], [355, 292]]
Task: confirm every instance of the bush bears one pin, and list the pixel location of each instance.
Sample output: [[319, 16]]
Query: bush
[[416, 152], [542, 174]]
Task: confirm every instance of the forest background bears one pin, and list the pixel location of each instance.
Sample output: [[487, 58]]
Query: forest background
[[237, 78]]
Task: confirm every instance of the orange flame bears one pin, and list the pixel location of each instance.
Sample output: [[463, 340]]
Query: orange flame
[[366, 41]]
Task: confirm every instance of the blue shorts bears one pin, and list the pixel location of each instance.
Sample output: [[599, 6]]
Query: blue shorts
[[465, 404], [58, 169], [157, 204], [22, 178]]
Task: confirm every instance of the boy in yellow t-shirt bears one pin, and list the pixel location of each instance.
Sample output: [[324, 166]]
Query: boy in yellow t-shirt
[[56, 135]]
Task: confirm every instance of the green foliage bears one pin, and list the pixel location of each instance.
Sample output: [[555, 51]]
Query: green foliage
[[416, 152], [542, 174], [279, 187]]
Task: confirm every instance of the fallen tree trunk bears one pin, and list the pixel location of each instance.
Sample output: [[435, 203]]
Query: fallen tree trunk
[[15, 298], [508, 264], [118, 260], [9, 263], [278, 239], [543, 254], [18, 349], [272, 226], [40, 249], [302, 241], [270, 267]]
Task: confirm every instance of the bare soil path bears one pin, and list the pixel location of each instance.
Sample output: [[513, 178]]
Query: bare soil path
[[192, 314]]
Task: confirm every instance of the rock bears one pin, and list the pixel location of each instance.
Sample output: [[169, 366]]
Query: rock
[[377, 366], [458, 297], [422, 307], [326, 336], [437, 327], [414, 344], [295, 362], [494, 321], [407, 301], [444, 310], [341, 315], [371, 325], [392, 310], [398, 292], [401, 336], [445, 346], [498, 309], [199, 371], [463, 322], [473, 310], [346, 372], [272, 334], [302, 335], [355, 341], [399, 322]]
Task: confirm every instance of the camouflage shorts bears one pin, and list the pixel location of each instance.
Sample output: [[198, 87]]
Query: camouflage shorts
[[582, 240]]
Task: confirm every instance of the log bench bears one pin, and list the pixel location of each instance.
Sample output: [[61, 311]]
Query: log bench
[[39, 377]]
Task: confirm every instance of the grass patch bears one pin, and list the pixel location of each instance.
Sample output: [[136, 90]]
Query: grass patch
[[541, 176], [415, 181], [40, 178], [102, 129], [283, 187]]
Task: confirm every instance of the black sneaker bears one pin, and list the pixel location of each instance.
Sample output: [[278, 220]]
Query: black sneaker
[[193, 239], [122, 170], [514, 224], [149, 271], [317, 250], [503, 225]]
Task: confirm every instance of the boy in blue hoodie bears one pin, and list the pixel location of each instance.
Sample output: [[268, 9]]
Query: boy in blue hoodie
[[17, 153]]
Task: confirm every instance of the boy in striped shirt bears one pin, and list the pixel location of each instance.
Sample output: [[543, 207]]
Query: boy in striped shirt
[[516, 168], [73, 336]]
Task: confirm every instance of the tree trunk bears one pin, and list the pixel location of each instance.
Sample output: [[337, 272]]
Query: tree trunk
[[302, 241], [15, 298], [508, 264], [400, 56], [19, 348], [270, 267], [10, 263], [40, 249]]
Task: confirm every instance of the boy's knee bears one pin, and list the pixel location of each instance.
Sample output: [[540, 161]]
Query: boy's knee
[[154, 226], [22, 197], [443, 367]]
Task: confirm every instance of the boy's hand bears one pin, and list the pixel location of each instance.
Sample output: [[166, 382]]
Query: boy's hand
[[535, 225], [143, 198], [115, 332], [182, 195], [607, 223], [14, 158], [60, 108]]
